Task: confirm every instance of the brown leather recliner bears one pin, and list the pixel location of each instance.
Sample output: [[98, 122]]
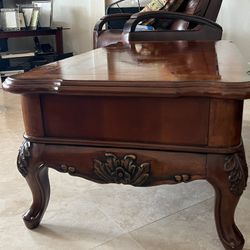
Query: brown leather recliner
[[193, 20]]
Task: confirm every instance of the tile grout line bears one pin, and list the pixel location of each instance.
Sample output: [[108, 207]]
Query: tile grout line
[[115, 239], [113, 221], [129, 232], [212, 197]]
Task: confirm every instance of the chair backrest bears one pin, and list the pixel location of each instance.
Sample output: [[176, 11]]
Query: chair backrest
[[119, 24], [204, 8], [208, 9], [203, 29], [213, 9]]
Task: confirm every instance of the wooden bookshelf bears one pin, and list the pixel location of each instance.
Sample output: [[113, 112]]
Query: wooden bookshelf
[[57, 32], [27, 63]]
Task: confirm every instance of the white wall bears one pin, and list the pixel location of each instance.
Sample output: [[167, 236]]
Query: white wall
[[80, 16], [234, 17]]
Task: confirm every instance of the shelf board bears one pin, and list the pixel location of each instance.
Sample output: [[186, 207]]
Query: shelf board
[[27, 32], [27, 63], [54, 55]]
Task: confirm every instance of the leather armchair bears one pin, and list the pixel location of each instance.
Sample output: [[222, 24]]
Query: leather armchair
[[194, 20]]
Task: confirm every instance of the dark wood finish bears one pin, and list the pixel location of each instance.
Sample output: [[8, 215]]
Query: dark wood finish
[[118, 144], [36, 175], [205, 29], [193, 20], [98, 116], [144, 114], [168, 69], [31, 109], [228, 175], [82, 161], [59, 40], [57, 32], [221, 112]]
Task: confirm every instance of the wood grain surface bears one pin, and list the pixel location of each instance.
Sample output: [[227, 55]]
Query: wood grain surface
[[179, 68]]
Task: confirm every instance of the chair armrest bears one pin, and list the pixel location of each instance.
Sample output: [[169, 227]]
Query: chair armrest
[[207, 29], [117, 16]]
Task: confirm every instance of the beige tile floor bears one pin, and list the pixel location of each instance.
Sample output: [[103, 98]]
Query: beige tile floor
[[85, 215]]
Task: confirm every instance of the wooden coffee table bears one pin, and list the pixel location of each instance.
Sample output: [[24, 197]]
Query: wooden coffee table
[[141, 114]]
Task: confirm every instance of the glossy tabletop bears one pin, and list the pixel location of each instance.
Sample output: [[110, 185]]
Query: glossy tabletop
[[196, 68]]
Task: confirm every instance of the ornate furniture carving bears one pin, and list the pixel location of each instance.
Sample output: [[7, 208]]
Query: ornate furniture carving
[[142, 114]]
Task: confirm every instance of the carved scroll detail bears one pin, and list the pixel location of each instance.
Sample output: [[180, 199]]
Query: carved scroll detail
[[181, 178], [23, 158], [235, 165], [66, 169], [122, 170], [243, 161]]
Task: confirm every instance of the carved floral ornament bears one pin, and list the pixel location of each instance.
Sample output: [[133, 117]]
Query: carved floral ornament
[[124, 170], [237, 176], [23, 158]]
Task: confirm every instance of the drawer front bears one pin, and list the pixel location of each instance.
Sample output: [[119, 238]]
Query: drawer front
[[127, 119], [225, 123]]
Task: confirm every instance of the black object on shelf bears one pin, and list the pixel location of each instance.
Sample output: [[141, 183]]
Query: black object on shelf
[[3, 45], [43, 49], [27, 63], [56, 32], [40, 60], [119, 24]]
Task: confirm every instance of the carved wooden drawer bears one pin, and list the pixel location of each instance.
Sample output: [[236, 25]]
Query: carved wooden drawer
[[127, 166]]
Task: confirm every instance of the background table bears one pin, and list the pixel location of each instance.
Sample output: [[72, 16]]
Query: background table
[[142, 114]]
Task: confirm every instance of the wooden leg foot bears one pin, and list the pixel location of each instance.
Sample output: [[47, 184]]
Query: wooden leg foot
[[228, 175], [36, 175]]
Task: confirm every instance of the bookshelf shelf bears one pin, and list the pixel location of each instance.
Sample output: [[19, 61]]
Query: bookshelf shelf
[[57, 32]]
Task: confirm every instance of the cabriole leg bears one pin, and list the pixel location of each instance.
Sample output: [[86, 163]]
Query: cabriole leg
[[36, 175], [228, 175]]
